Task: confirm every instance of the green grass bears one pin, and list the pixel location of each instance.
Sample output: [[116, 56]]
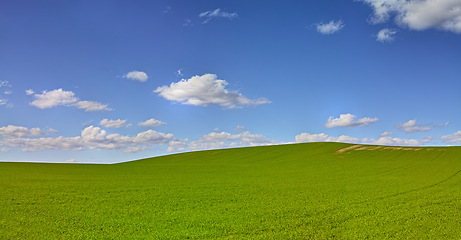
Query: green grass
[[299, 191]]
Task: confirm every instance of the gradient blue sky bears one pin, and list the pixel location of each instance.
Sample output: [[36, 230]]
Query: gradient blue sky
[[297, 71]]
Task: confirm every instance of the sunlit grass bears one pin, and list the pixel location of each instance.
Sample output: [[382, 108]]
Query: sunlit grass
[[284, 192]]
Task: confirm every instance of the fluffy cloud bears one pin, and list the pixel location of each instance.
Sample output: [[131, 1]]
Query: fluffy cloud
[[217, 13], [386, 35], [3, 101], [112, 123], [29, 92], [90, 138], [329, 28], [322, 137], [4, 84], [348, 120], [216, 140], [54, 98], [11, 131], [452, 138], [204, 90], [137, 76], [151, 123], [419, 15], [59, 97], [411, 126], [384, 139]]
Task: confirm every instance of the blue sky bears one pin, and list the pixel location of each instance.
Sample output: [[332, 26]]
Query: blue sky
[[111, 81]]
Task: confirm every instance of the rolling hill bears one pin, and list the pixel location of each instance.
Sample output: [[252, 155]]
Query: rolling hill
[[298, 191]]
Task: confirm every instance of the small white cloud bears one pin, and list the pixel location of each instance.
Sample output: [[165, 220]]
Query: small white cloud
[[385, 134], [329, 28], [452, 138], [204, 90], [54, 98], [58, 97], [11, 131], [178, 145], [151, 123], [112, 123], [386, 35], [91, 106], [3, 101], [179, 72], [8, 92], [411, 126], [29, 92], [217, 13], [384, 139], [137, 76], [348, 120]]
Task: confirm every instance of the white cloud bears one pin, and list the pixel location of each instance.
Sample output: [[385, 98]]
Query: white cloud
[[217, 13], [411, 126], [54, 98], [420, 14], [329, 28], [204, 90], [386, 35], [390, 141], [152, 123], [3, 101], [7, 92], [322, 137], [11, 131], [179, 72], [112, 123], [91, 106], [348, 120], [58, 97], [91, 138], [384, 139], [385, 134], [29, 92], [178, 145], [137, 76], [216, 140], [452, 138]]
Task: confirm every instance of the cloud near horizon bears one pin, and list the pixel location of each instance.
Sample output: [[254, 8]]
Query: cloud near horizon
[[91, 138], [348, 120], [204, 90], [152, 123], [384, 139]]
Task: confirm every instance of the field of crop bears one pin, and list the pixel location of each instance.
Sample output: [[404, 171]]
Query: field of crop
[[299, 191]]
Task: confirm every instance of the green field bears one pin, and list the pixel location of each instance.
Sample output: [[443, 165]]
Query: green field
[[298, 191]]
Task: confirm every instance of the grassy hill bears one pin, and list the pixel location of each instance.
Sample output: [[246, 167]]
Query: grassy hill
[[299, 191]]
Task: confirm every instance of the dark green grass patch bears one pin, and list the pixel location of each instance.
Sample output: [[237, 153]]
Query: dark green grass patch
[[300, 191]]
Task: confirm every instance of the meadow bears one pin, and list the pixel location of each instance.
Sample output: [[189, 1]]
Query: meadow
[[297, 191]]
